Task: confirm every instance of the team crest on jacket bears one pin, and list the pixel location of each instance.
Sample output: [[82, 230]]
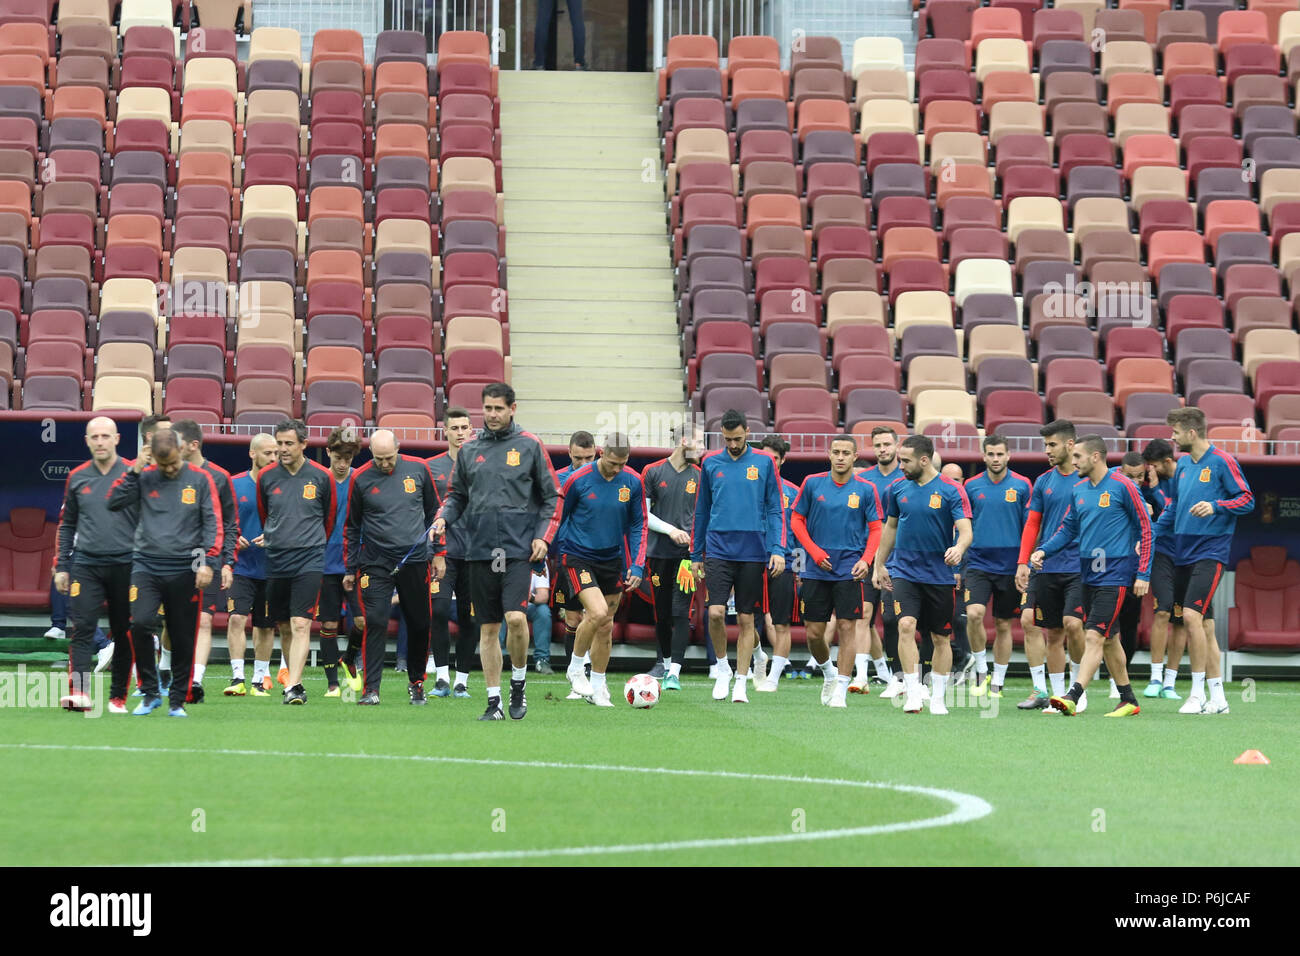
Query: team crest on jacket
[[853, 500], [134, 595], [365, 581], [512, 458], [625, 495], [936, 501], [434, 587], [690, 487], [1205, 475], [751, 473], [309, 491], [1011, 495], [408, 485], [189, 496], [1104, 500]]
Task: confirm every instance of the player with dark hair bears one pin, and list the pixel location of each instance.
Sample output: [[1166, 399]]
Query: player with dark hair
[[1056, 591], [391, 501], [247, 594], [99, 570], [604, 513], [504, 490], [148, 425], [1207, 495], [297, 503], [782, 590], [1107, 526], [837, 520], [915, 560], [884, 473], [582, 451], [455, 580], [177, 545], [342, 446], [738, 536], [1168, 634], [999, 501], [215, 595], [670, 486]]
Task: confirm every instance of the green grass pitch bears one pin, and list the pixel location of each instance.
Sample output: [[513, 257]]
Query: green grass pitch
[[250, 780]]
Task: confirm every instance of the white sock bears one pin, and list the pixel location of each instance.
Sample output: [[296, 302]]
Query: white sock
[[1198, 683], [1058, 684], [882, 668], [494, 692], [842, 684], [462, 679], [741, 679], [912, 682], [597, 681], [1113, 689], [675, 669], [1216, 690], [777, 666], [260, 669], [1171, 676], [443, 672], [283, 665], [981, 662], [165, 660], [937, 682], [519, 673], [1036, 674], [828, 668], [1074, 673], [237, 669], [199, 670], [586, 659], [724, 667], [1157, 672], [862, 664], [999, 674]]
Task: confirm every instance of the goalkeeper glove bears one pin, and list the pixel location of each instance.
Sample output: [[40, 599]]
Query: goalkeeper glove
[[685, 576]]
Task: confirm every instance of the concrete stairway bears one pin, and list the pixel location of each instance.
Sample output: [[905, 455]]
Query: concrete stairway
[[593, 330]]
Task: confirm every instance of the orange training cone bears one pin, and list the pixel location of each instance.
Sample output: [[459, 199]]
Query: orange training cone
[[1251, 756]]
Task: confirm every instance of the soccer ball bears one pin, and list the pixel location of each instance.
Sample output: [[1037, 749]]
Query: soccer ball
[[641, 691]]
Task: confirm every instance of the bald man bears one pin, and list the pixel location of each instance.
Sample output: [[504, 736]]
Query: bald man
[[391, 502], [99, 569], [247, 594]]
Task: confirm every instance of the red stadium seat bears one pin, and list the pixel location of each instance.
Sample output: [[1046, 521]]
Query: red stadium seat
[[27, 549]]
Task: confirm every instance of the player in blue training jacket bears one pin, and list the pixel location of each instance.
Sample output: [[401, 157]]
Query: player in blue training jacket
[[884, 656], [1167, 632], [999, 501], [1107, 523], [837, 520], [915, 562], [1209, 493], [739, 532], [247, 595], [603, 522]]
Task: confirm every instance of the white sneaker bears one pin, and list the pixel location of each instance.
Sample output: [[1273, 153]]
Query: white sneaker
[[581, 683], [895, 688], [758, 666], [104, 659], [1083, 703], [925, 692], [828, 689], [115, 708], [838, 700], [721, 684], [767, 686], [1194, 704], [738, 695], [913, 703], [1215, 707], [601, 698], [75, 702], [56, 634], [861, 684], [937, 707], [713, 672]]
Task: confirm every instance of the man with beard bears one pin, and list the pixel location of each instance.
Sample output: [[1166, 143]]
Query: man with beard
[[884, 473], [455, 582]]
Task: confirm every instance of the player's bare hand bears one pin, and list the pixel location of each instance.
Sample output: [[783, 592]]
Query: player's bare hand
[[697, 569], [349, 581], [825, 564], [203, 577], [260, 541], [860, 571], [439, 525], [679, 537], [242, 543], [1036, 560], [1202, 509], [952, 557], [776, 565], [1022, 578], [1140, 588], [539, 549], [439, 567], [433, 534], [633, 582], [882, 581], [62, 582], [227, 576]]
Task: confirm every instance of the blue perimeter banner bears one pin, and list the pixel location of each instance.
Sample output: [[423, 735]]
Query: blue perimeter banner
[[40, 454]]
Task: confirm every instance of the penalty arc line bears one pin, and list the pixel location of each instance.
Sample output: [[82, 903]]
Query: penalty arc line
[[965, 807]]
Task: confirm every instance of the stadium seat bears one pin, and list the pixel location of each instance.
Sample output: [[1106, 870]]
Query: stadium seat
[[1266, 600], [27, 551]]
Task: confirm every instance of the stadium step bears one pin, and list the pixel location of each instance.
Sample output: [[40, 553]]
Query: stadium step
[[593, 325]]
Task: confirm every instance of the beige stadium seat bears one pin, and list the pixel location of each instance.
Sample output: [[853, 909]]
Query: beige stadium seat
[[200, 277], [1288, 32], [269, 202], [208, 136], [961, 148], [1098, 214], [926, 372], [269, 328], [935, 406], [877, 53], [1157, 182], [701, 146], [1278, 186], [211, 73], [276, 43], [994, 341], [125, 393], [1268, 345], [472, 332], [468, 172], [126, 359], [1134, 119], [75, 12], [999, 54], [1087, 9], [1011, 118], [266, 313], [887, 116], [921, 308], [1126, 56], [403, 235], [982, 275], [852, 307], [1034, 212], [129, 295], [882, 85], [1288, 257]]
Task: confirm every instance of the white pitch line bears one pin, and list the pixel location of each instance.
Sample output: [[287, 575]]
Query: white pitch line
[[966, 807]]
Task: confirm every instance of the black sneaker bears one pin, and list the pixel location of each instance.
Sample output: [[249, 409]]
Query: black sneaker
[[195, 695], [369, 699], [416, 691], [493, 711], [658, 671], [878, 680], [518, 702], [296, 694]]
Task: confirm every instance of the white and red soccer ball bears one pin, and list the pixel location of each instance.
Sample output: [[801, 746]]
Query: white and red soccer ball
[[641, 691]]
